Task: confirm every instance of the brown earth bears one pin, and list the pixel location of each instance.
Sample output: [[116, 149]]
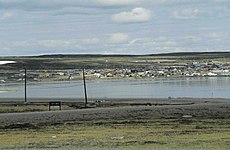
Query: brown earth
[[124, 109]]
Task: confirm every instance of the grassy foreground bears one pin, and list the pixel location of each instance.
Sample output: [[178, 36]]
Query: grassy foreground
[[121, 133]]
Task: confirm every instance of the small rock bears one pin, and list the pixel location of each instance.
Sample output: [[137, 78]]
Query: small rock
[[187, 116], [117, 137]]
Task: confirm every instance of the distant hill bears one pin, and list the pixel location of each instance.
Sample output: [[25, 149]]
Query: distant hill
[[100, 61], [126, 55], [82, 55], [192, 54]]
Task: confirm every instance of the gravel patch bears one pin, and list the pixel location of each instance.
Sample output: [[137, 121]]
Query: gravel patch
[[205, 110]]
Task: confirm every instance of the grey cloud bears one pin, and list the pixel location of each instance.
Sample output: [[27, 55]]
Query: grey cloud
[[134, 16], [120, 2], [186, 13], [75, 26], [75, 10], [31, 5]]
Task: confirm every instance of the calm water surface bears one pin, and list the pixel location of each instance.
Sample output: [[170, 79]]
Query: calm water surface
[[212, 87]]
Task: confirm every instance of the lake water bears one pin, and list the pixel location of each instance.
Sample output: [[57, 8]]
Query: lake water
[[212, 87]]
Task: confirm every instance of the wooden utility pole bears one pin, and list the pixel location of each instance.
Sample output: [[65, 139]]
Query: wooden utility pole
[[25, 86], [85, 91]]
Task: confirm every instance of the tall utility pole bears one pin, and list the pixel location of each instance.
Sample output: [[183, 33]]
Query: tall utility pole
[[25, 87], [86, 100]]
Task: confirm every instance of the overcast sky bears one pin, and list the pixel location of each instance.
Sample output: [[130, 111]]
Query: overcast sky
[[35, 27]]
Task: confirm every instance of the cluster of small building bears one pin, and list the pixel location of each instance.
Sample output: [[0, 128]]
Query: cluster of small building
[[38, 75], [194, 69]]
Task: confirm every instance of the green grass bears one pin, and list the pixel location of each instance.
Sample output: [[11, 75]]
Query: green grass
[[139, 133]]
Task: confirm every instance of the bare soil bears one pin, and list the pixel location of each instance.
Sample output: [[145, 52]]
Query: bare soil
[[122, 109]]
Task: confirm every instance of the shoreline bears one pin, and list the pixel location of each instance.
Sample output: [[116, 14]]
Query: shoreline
[[51, 80]]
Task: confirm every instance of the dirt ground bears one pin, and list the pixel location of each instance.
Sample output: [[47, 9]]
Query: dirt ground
[[114, 109]]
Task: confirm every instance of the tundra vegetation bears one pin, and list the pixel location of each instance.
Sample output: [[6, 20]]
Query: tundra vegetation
[[192, 126], [143, 132]]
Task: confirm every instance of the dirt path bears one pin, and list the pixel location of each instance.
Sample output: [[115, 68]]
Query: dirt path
[[207, 110]]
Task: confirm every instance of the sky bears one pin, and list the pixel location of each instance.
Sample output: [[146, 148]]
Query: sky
[[37, 27]]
